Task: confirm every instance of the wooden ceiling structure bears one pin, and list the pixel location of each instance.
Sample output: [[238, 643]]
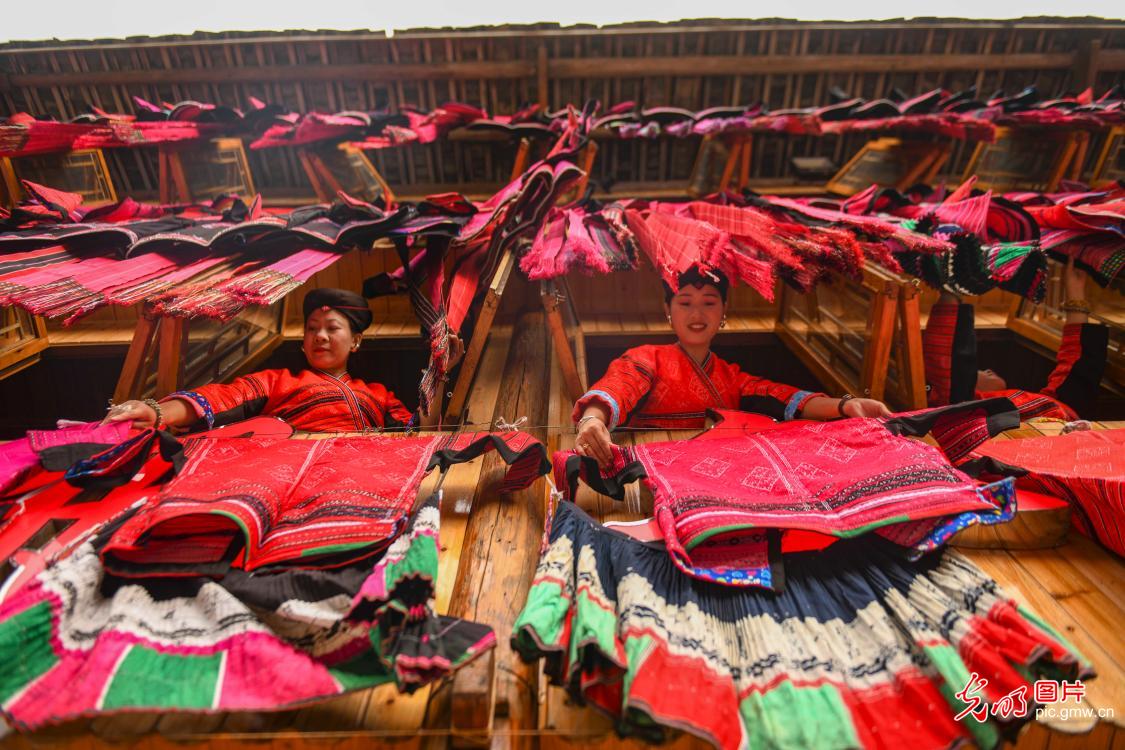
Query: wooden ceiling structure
[[692, 64]]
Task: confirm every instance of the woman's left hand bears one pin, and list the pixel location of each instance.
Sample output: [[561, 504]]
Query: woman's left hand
[[456, 350], [865, 407]]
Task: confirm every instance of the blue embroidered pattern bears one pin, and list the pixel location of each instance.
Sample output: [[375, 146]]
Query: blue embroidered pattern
[[615, 417], [795, 403], [203, 404]]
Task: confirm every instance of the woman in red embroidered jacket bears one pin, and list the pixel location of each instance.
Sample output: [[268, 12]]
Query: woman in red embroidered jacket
[[949, 348], [321, 398], [671, 386]]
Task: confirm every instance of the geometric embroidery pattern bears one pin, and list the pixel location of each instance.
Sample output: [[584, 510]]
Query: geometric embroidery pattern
[[711, 467], [760, 478], [834, 449]]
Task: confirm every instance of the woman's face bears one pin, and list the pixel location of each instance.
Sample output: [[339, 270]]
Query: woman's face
[[329, 340], [696, 313]]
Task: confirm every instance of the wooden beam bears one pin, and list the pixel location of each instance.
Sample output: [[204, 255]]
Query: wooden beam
[[480, 334], [522, 155], [1111, 59], [709, 65], [372, 73], [910, 326], [131, 380], [322, 193], [880, 335], [549, 294], [169, 367], [639, 30], [587, 67], [1086, 63], [542, 76]]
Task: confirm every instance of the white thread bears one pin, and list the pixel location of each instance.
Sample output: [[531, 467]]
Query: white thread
[[502, 425]]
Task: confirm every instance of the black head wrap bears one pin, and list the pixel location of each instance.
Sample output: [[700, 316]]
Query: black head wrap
[[693, 277], [349, 304]]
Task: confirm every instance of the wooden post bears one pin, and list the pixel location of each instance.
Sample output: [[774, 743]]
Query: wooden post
[[732, 160], [1078, 160], [549, 294], [881, 326], [744, 164], [522, 155], [169, 367], [165, 177], [480, 335], [940, 159], [323, 194], [542, 74], [9, 182], [1059, 168], [1086, 64], [910, 324], [131, 381], [589, 154]]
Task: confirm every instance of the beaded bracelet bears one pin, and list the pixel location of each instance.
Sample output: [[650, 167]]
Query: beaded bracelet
[[155, 405]]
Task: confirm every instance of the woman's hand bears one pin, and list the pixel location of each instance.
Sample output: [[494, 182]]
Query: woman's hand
[[865, 407], [594, 440], [141, 414], [1074, 281], [456, 350]]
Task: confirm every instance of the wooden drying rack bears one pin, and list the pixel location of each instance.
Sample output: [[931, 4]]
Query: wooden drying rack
[[833, 349]]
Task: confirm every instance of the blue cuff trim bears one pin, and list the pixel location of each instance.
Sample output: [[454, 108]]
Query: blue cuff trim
[[615, 410], [795, 403], [201, 402]]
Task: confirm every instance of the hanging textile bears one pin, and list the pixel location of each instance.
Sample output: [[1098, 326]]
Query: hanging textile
[[862, 649], [78, 641], [580, 239]]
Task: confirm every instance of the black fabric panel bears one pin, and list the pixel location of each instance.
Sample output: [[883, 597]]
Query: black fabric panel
[[245, 410], [1000, 415], [1079, 390], [767, 405], [586, 467], [61, 457], [446, 457], [963, 366]]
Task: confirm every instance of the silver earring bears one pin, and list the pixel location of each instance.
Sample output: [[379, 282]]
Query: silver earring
[[723, 322]]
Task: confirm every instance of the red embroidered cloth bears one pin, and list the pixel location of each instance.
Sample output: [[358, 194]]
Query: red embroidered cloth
[[260, 502], [1087, 469]]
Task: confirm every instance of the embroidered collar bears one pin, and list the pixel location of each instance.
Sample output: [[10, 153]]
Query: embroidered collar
[[701, 372], [342, 379]]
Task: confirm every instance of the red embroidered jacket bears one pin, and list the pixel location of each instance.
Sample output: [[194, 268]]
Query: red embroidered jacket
[[950, 353], [663, 387], [311, 400]]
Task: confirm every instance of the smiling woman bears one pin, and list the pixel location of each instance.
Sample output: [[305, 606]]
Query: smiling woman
[[671, 386], [321, 398]]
